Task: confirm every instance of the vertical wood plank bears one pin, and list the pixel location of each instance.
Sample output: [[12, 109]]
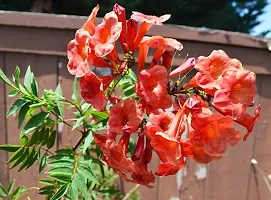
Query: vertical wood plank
[[44, 68], [228, 178], [4, 174], [258, 189], [65, 134]]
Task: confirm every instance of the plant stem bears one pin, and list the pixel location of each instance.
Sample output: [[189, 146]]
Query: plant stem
[[131, 192], [84, 135]]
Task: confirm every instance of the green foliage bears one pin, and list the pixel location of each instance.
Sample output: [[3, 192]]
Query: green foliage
[[73, 173], [127, 84]]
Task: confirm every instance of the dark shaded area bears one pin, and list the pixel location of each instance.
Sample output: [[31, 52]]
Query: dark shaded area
[[238, 15]]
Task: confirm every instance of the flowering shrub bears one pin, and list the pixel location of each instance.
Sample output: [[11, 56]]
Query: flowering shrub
[[159, 111]]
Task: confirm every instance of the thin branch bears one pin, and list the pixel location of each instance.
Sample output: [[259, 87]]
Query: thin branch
[[131, 192]]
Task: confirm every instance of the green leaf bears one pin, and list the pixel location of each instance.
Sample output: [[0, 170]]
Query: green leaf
[[28, 79], [5, 79], [20, 159], [69, 158], [51, 140], [17, 76], [79, 182], [35, 138], [87, 173], [132, 75], [9, 147], [18, 193], [13, 92], [75, 90], [22, 114], [47, 182], [78, 122], [15, 106], [36, 121], [60, 104], [88, 141], [10, 187], [46, 190], [60, 192], [43, 162], [30, 160], [3, 191], [61, 171], [34, 86], [131, 146], [44, 135], [16, 155], [61, 178], [24, 140], [74, 191], [99, 115], [61, 163]]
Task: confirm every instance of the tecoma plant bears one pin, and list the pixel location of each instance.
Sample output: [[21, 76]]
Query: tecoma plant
[[155, 105]]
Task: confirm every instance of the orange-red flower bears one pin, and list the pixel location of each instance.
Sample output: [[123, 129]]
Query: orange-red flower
[[147, 22], [238, 88], [210, 69], [158, 42], [125, 116], [152, 87], [213, 132], [167, 144], [92, 90], [106, 34], [115, 153]]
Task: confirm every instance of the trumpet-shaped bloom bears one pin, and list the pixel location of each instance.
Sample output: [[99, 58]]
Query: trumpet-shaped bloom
[[92, 90], [152, 87], [90, 24], [106, 34], [211, 68], [238, 88], [125, 116], [215, 132]]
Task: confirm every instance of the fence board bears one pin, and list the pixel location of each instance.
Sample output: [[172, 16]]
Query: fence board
[[3, 134], [258, 189], [44, 68]]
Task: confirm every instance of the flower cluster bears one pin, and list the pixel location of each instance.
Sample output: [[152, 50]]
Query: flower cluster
[[168, 115]]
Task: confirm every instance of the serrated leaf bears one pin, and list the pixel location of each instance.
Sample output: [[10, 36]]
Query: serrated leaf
[[5, 79], [78, 122], [99, 115], [3, 191], [68, 158], [20, 159], [73, 191], [79, 182], [61, 178], [18, 193], [22, 114], [88, 141], [87, 173], [60, 192], [61, 171], [9, 147], [34, 86], [46, 182], [51, 140], [17, 76], [28, 79], [35, 122], [10, 187], [75, 90], [15, 106], [16, 155], [30, 160], [13, 92], [43, 162], [61, 163]]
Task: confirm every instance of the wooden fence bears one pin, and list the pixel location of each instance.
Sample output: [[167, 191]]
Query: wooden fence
[[40, 40]]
